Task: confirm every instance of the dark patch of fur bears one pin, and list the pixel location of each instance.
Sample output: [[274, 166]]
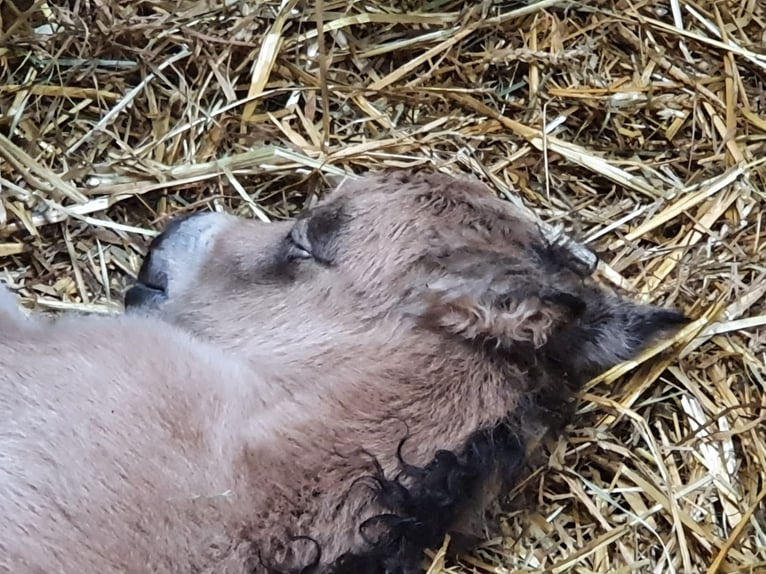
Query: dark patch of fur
[[659, 319], [316, 233], [271, 568], [423, 502], [323, 227], [548, 399]]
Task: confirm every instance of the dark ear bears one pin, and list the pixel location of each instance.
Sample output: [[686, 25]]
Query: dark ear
[[494, 297], [611, 330]]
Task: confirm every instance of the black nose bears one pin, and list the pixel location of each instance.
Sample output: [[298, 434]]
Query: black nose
[[152, 283], [143, 296], [174, 259], [150, 288]]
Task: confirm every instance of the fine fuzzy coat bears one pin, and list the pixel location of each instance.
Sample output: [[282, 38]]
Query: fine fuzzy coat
[[327, 394]]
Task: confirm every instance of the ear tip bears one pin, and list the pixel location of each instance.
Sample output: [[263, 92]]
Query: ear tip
[[661, 320], [671, 317]]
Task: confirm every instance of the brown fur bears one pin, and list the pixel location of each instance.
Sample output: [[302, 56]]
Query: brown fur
[[332, 392]]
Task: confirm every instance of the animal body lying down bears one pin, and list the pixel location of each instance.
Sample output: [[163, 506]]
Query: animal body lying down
[[332, 393]]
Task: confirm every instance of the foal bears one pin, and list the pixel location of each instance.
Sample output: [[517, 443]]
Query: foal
[[332, 393]]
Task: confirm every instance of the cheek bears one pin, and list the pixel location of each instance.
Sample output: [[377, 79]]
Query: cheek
[[249, 245], [232, 267], [383, 273]]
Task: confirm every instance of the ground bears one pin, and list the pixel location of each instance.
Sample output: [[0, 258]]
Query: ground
[[637, 126]]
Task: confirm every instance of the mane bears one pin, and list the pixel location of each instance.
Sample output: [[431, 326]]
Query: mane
[[423, 501]]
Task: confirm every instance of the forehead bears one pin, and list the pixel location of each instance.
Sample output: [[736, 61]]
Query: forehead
[[401, 187], [424, 201]]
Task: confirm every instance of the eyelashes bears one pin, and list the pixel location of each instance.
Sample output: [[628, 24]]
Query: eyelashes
[[312, 239], [298, 246]]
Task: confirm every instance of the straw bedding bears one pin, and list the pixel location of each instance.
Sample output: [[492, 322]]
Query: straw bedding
[[637, 125]]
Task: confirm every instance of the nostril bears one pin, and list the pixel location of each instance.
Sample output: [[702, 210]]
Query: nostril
[[150, 288], [151, 274], [143, 296]]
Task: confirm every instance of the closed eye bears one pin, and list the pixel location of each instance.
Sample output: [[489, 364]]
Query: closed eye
[[297, 246], [309, 239]]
